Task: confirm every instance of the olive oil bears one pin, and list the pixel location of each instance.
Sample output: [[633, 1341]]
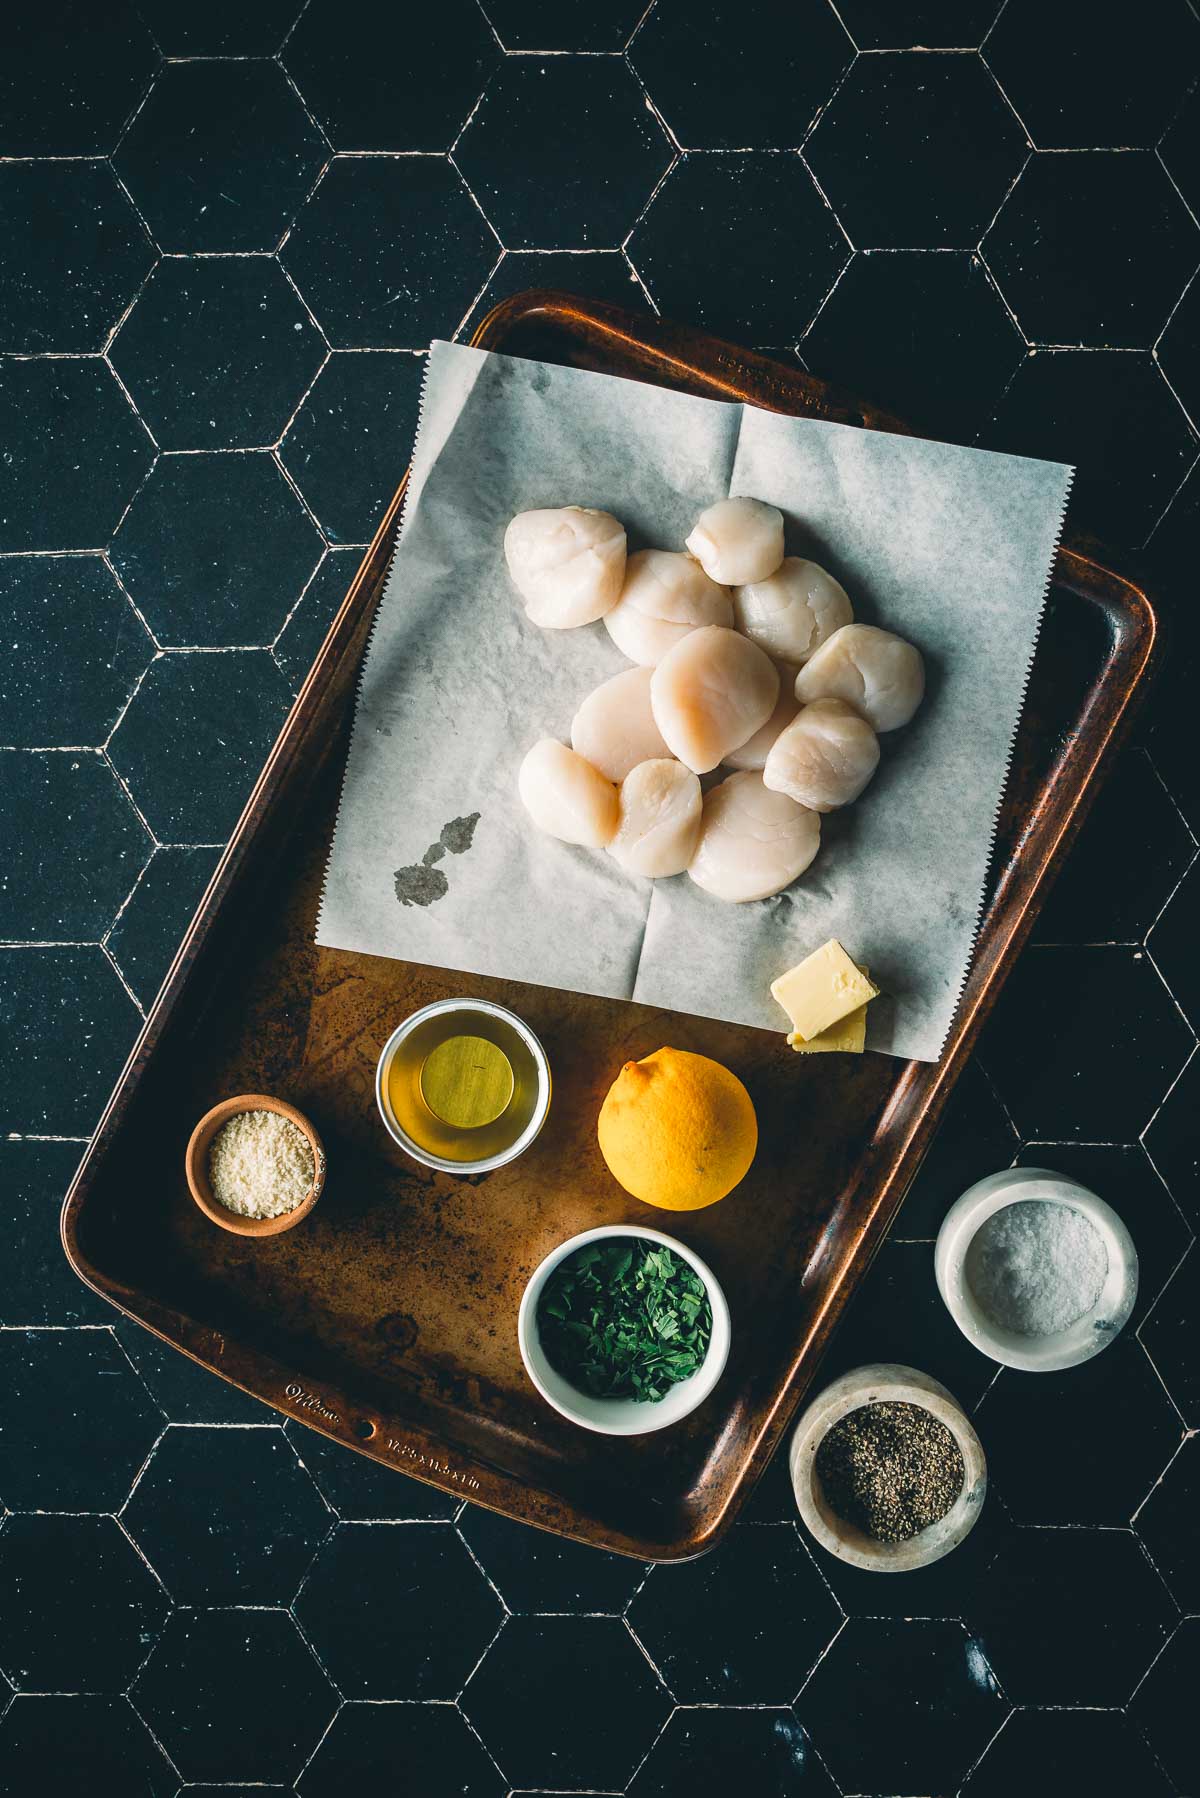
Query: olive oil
[[463, 1085]]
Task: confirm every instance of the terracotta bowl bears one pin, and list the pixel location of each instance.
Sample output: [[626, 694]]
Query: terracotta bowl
[[196, 1166]]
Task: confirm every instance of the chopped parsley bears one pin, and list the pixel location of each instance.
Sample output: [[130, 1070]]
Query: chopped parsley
[[625, 1318]]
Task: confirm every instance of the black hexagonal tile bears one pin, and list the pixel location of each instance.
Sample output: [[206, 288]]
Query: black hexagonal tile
[[1043, 1754], [768, 254], [195, 737], [37, 1284], [1169, 1334], [1084, 1043], [608, 152], [1173, 1141], [1167, 1525], [399, 80], [1082, 80], [58, 1389], [566, 1701], [916, 151], [974, 1138], [220, 156], [60, 1008], [60, 493], [767, 101], [1170, 564], [233, 1791], [1179, 350], [79, 1608], [1122, 1174], [1115, 418], [548, 25], [901, 1706], [62, 1747], [295, 648], [220, 27], [1179, 148], [75, 650], [397, 1610], [949, 349], [711, 1646], [912, 24], [252, 352], [592, 274], [70, 77], [187, 1392], [390, 251], [535, 1571], [1072, 1616], [71, 845], [368, 1742], [897, 1314], [215, 549], [149, 928], [1101, 899], [202, 1693], [1164, 1706], [348, 445], [75, 255], [948, 1589], [761, 1751], [1050, 1442], [1077, 211], [227, 1516], [772, 1499], [364, 1491]]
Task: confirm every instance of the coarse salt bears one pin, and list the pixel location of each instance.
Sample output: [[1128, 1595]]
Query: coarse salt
[[260, 1164], [1037, 1267]]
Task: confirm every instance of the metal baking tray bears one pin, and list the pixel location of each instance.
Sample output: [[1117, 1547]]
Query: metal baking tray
[[388, 1319]]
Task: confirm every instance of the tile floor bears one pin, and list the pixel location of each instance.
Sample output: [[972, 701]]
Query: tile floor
[[230, 232]]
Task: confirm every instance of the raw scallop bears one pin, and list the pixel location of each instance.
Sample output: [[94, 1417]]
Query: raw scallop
[[754, 751], [660, 819], [614, 728], [794, 610], [710, 694], [880, 675], [665, 596], [738, 540], [752, 842], [566, 797], [824, 758], [567, 562]]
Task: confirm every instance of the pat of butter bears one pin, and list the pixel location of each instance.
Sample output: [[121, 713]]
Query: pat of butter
[[847, 1037], [822, 990]]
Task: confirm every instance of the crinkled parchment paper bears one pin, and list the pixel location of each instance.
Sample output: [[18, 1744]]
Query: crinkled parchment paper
[[434, 858]]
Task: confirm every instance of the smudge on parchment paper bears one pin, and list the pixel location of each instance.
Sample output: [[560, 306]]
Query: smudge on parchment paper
[[423, 883]]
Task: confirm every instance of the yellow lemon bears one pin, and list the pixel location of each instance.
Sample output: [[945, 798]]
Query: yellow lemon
[[677, 1130]]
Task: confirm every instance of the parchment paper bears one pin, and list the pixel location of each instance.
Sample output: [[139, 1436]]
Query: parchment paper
[[434, 858]]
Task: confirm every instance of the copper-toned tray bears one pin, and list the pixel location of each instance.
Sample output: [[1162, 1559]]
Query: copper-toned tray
[[388, 1319]]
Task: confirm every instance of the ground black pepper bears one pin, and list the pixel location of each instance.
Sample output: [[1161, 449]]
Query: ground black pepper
[[890, 1469]]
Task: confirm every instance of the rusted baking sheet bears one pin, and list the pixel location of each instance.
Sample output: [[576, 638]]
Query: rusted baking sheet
[[388, 1319]]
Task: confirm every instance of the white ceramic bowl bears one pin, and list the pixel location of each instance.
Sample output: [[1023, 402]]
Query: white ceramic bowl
[[879, 1383], [1089, 1333], [621, 1416]]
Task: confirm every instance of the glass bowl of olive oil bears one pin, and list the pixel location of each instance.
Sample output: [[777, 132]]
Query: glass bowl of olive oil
[[463, 1086]]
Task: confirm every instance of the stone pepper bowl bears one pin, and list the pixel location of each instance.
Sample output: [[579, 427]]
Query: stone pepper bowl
[[879, 1382], [196, 1166]]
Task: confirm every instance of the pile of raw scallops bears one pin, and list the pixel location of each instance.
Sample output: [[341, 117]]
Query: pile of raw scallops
[[746, 659]]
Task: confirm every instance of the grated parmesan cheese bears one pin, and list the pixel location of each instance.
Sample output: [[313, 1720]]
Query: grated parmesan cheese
[[260, 1164]]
